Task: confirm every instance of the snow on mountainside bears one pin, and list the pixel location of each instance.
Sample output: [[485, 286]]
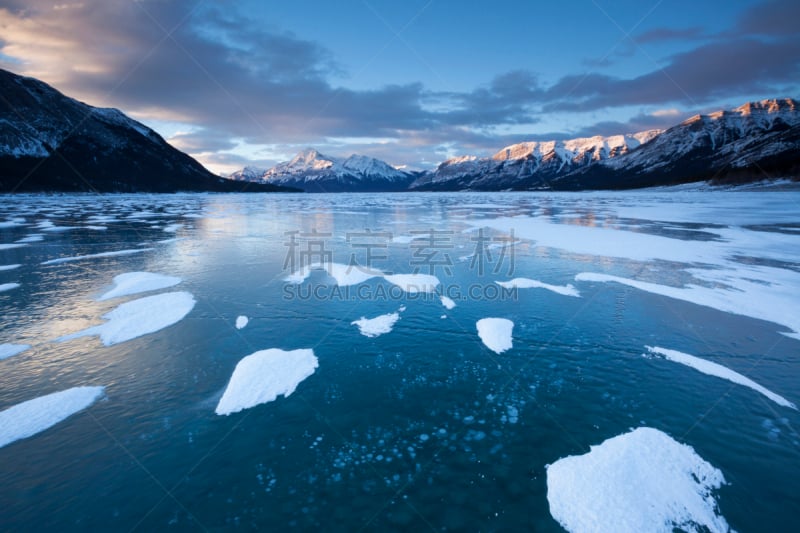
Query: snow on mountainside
[[757, 140], [315, 172], [51, 142], [754, 141], [547, 159]]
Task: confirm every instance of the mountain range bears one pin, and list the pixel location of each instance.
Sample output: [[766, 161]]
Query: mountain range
[[312, 171], [51, 142], [755, 141]]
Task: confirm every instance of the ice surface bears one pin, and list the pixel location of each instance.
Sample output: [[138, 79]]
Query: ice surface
[[496, 333], [93, 256], [373, 327], [774, 299], [136, 282], [9, 350], [353, 275], [9, 267], [447, 302], [414, 283], [262, 376], [241, 321], [173, 228], [525, 283], [36, 237], [8, 286], [11, 246], [343, 274], [34, 416], [639, 481], [715, 369], [140, 317]]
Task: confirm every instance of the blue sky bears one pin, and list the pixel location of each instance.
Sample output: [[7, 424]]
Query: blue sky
[[414, 82]]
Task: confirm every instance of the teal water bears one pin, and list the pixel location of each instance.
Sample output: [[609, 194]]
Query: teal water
[[423, 427]]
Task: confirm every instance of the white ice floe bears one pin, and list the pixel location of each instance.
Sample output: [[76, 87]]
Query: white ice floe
[[354, 274], [172, 228], [9, 350], [8, 286], [136, 282], [496, 333], [717, 370], [96, 228], [758, 292], [93, 256], [373, 327], [343, 274], [261, 377], [12, 246], [525, 283], [447, 302], [241, 321], [639, 481], [414, 283], [140, 317], [9, 267], [36, 237], [34, 416]]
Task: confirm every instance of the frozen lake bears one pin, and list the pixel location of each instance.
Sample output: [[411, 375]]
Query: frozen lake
[[397, 362]]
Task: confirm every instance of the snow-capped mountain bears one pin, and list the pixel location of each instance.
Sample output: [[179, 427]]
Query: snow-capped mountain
[[248, 174], [312, 171], [757, 140], [546, 160], [51, 142]]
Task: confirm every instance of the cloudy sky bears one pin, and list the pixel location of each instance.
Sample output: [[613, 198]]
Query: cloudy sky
[[412, 82]]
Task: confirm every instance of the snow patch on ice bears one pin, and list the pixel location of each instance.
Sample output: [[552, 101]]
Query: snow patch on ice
[[241, 321], [717, 370], [139, 317], [93, 256], [774, 299], [447, 302], [136, 282], [343, 274], [36, 237], [414, 283], [8, 286], [34, 416], [639, 481], [12, 246], [525, 283], [353, 275], [9, 350], [496, 333], [373, 327], [262, 376], [9, 267]]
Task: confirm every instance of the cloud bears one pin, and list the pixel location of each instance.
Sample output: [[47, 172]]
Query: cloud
[[775, 17], [715, 70], [233, 80], [670, 34]]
